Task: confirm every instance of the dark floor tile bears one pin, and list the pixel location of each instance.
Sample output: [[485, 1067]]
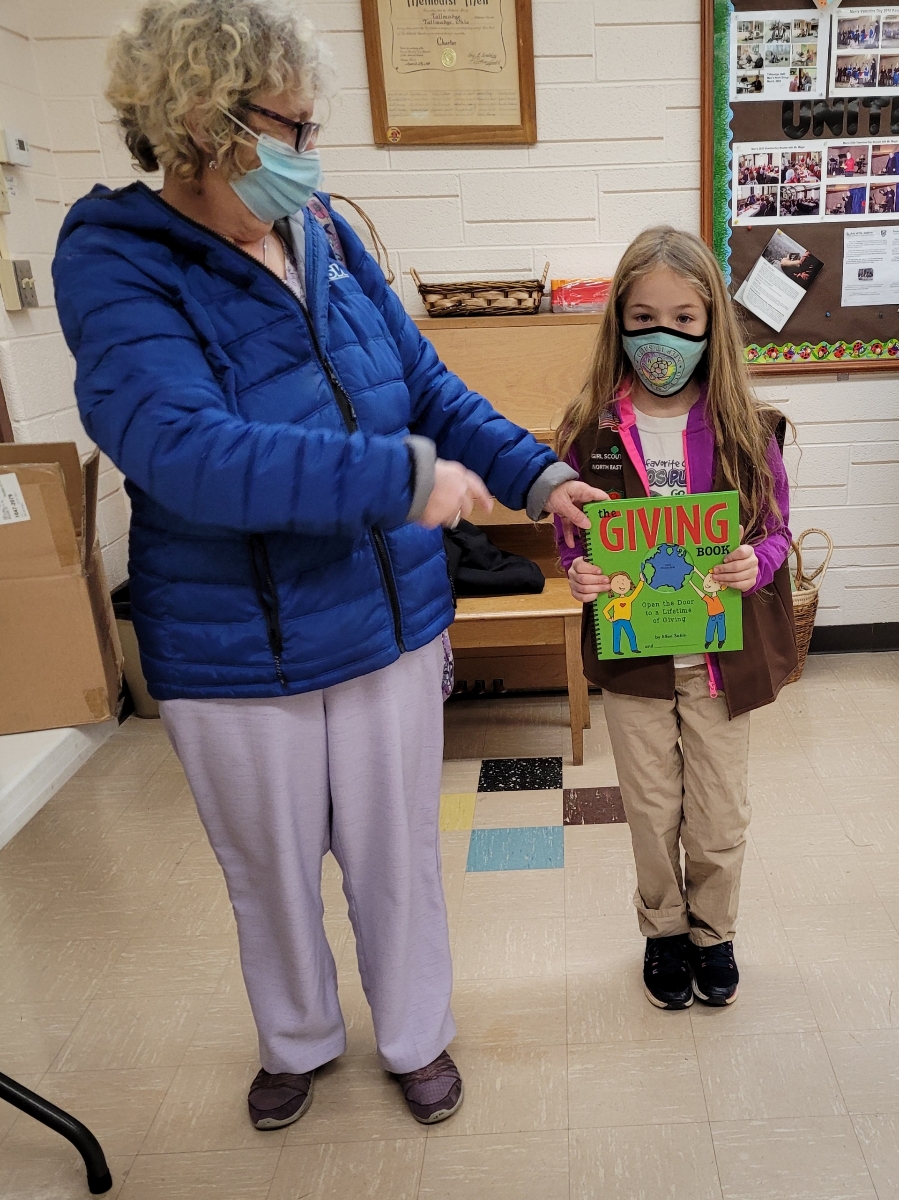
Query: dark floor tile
[[592, 806], [520, 774]]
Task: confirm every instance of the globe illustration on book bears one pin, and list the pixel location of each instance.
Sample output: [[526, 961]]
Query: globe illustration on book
[[669, 567]]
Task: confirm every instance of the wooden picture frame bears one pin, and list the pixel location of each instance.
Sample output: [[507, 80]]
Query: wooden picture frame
[[821, 336], [388, 128]]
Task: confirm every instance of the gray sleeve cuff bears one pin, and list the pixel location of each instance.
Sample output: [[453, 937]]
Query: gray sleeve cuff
[[423, 454], [555, 473]]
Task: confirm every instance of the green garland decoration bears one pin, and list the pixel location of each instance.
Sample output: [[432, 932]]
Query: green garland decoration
[[721, 164]]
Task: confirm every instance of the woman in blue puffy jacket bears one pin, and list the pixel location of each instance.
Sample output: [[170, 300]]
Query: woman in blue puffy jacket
[[291, 446]]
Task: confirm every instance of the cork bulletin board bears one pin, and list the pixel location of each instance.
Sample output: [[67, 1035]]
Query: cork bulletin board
[[837, 118]]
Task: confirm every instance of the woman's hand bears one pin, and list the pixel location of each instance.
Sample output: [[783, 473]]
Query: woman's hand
[[739, 570], [586, 581], [456, 491], [567, 501]]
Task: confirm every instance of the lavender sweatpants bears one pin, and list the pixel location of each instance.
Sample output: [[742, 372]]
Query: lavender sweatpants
[[353, 768]]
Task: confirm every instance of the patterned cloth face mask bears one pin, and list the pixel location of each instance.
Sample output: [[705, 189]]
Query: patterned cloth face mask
[[285, 181], [664, 359]]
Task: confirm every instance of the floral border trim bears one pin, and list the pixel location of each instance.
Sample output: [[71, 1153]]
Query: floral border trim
[[824, 352]]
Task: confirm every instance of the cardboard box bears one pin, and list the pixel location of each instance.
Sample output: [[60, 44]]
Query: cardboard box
[[60, 658]]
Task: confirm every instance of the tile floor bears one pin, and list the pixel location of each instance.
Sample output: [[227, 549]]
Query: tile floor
[[121, 998]]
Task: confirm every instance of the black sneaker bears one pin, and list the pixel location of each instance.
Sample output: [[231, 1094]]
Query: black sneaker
[[716, 979], [278, 1100], [666, 972]]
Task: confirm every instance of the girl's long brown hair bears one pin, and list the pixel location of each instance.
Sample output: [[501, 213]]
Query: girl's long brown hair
[[732, 408]]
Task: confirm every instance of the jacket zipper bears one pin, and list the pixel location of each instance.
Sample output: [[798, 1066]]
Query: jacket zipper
[[347, 411], [268, 601]]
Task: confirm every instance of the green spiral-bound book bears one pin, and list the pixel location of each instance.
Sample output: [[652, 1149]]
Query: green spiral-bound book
[[658, 554]]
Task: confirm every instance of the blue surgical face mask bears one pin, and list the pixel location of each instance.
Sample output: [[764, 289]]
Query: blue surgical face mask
[[285, 181], [664, 359]]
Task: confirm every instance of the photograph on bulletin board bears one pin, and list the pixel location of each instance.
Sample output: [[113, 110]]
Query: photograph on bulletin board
[[800, 178]]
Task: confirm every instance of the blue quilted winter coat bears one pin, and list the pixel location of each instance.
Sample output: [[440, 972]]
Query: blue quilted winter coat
[[264, 448]]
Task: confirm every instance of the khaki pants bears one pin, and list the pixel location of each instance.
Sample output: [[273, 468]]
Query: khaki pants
[[682, 769]]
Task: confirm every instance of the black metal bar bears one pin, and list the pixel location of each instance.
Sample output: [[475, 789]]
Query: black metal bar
[[98, 1176]]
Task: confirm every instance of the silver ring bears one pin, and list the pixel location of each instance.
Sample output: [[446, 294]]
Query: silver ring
[[456, 519]]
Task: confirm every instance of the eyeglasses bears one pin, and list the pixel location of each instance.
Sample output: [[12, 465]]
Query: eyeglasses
[[306, 132]]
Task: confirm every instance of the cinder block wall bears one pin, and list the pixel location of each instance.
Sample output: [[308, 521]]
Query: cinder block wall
[[606, 72]]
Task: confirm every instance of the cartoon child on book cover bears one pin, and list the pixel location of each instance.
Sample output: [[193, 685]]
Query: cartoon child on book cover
[[618, 610], [715, 625]]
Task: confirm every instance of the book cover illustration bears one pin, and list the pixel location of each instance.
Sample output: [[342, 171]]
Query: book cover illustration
[[658, 554]]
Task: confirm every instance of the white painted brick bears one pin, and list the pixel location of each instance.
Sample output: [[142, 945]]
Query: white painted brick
[[17, 67], [414, 222], [568, 69], [874, 483], [115, 561], [623, 215], [16, 17], [564, 27], [69, 67], [38, 429], [73, 125], [350, 121], [117, 160], [392, 185], [645, 12], [685, 94], [612, 152], [648, 52], [576, 262], [353, 158], [84, 164], [70, 429], [76, 19], [588, 112], [334, 15], [816, 497], [882, 452], [470, 158], [36, 375], [22, 110], [682, 134], [870, 525], [526, 233], [660, 177], [536, 196], [823, 466], [348, 50], [113, 516], [469, 263]]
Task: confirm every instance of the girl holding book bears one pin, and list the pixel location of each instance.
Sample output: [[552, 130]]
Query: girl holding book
[[668, 399]]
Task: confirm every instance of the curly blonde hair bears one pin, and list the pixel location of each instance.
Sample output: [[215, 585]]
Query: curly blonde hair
[[190, 62]]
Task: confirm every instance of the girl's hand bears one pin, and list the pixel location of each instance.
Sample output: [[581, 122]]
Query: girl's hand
[[586, 581], [567, 501], [739, 570], [455, 492]]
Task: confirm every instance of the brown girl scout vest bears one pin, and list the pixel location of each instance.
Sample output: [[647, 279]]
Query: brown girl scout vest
[[752, 676]]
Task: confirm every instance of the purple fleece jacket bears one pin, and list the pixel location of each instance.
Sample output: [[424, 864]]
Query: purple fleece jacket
[[699, 453]]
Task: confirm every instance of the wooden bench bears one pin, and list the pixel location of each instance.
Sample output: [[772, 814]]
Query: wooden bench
[[529, 368], [550, 619]]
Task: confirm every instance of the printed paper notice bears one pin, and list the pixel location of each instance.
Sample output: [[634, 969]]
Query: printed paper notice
[[778, 55], [870, 266], [450, 62], [12, 503], [777, 283], [865, 58]]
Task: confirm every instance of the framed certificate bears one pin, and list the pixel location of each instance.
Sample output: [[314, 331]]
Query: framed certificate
[[450, 72]]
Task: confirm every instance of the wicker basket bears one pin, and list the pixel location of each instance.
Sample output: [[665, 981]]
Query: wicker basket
[[496, 298], [806, 587]]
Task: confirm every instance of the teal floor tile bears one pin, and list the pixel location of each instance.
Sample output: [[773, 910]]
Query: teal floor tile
[[534, 849]]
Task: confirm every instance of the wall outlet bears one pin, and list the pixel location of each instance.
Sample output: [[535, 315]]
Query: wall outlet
[[17, 284]]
